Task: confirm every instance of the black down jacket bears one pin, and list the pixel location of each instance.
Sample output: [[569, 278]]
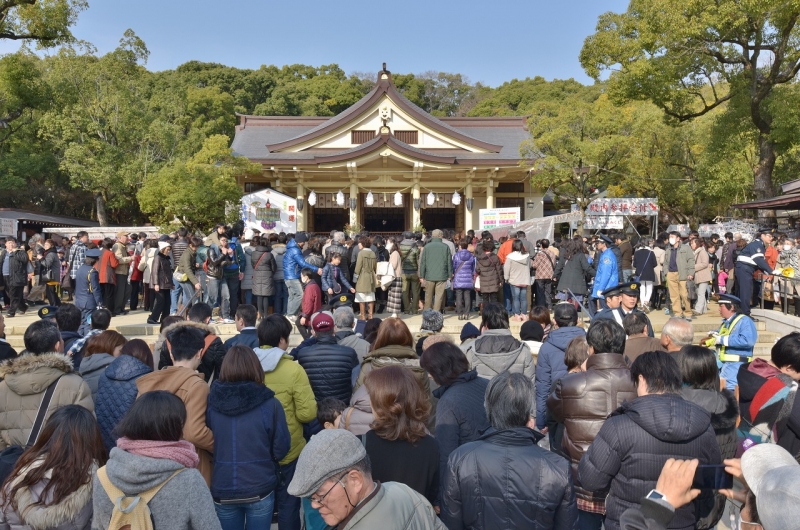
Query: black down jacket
[[504, 480], [329, 367], [116, 393], [263, 271], [634, 443]]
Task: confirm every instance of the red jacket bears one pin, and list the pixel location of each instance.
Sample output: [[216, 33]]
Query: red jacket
[[312, 299], [106, 265], [136, 275]]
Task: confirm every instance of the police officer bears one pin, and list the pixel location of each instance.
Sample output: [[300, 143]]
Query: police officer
[[627, 295], [750, 259], [734, 341], [607, 275], [88, 295]]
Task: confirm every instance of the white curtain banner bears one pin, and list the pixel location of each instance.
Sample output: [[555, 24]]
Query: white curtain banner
[[535, 229], [269, 211], [623, 206]]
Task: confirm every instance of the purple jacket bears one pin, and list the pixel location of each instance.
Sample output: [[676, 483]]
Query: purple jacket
[[463, 275]]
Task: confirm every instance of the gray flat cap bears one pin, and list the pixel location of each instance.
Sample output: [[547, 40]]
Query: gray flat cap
[[328, 453]]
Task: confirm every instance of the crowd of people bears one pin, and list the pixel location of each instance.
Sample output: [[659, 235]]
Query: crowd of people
[[561, 424]]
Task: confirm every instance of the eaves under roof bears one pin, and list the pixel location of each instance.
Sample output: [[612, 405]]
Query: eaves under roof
[[384, 86]]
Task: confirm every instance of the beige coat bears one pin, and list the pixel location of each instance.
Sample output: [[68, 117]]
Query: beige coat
[[702, 267], [121, 253], [25, 379], [366, 265], [190, 386]]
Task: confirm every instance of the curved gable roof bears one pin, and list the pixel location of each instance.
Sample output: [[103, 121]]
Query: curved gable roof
[[384, 86]]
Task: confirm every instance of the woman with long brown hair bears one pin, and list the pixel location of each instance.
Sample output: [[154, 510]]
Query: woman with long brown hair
[[394, 340], [51, 485], [398, 444], [101, 350]]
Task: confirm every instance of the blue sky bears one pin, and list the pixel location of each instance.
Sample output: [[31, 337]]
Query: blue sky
[[489, 41]]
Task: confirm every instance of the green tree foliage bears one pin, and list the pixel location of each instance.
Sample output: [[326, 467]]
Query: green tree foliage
[[45, 22], [199, 192], [690, 58]]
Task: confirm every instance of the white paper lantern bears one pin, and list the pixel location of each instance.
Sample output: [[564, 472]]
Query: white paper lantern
[[312, 198], [398, 199], [431, 198], [340, 198], [370, 199], [456, 198]]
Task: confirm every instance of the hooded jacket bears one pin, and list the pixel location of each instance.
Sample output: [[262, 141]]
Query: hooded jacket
[[91, 369], [490, 271], [550, 367], [190, 387], [517, 269], [290, 383], [25, 379], [504, 480], [634, 443], [329, 367], [212, 358], [293, 262], [116, 392], [263, 271], [183, 503], [250, 436], [496, 351], [460, 414], [464, 264], [582, 401], [74, 512]]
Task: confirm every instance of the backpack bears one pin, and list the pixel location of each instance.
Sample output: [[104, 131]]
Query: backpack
[[135, 515]]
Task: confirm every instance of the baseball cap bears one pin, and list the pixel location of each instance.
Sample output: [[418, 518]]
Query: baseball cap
[[322, 321]]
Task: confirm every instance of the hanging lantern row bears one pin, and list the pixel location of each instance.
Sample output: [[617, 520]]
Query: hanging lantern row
[[456, 198], [370, 199], [431, 198], [312, 198], [340, 198]]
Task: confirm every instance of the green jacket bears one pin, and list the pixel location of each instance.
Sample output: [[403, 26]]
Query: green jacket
[[284, 376], [188, 265], [436, 262], [685, 262], [366, 265]]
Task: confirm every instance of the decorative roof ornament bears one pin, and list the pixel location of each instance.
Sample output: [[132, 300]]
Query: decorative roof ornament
[[312, 198], [340, 198]]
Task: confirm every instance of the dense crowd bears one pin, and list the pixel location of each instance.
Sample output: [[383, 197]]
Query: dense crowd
[[364, 423]]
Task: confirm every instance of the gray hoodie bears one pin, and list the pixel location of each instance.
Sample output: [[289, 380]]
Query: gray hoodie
[[269, 358], [184, 503], [278, 251], [496, 351], [92, 368]]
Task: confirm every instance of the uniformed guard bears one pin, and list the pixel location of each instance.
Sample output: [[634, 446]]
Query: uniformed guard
[[750, 259], [607, 275], [734, 341], [88, 295], [628, 296]]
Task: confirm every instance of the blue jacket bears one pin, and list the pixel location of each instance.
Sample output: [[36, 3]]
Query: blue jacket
[[607, 273], [248, 337], [116, 392], [464, 264], [742, 338], [84, 298], [550, 366], [328, 278], [293, 262], [752, 256], [250, 436], [237, 265]]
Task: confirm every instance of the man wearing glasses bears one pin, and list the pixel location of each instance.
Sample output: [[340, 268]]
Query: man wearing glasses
[[334, 471]]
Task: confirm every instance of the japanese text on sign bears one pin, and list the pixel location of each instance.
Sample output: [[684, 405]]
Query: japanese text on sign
[[489, 218], [623, 206]]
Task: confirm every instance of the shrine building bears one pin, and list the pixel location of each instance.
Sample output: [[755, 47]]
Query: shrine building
[[387, 165]]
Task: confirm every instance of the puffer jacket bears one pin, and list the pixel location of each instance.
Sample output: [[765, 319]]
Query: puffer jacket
[[460, 413], [278, 252], [17, 267], [409, 255], [161, 273], [25, 379], [116, 392], [366, 265], [464, 264], [263, 271], [344, 265], [634, 443], [250, 434], [550, 367], [517, 269], [496, 351], [490, 271], [572, 274], [293, 262], [290, 383], [582, 401], [212, 358], [91, 369], [74, 512], [504, 480], [332, 274], [329, 367], [358, 416]]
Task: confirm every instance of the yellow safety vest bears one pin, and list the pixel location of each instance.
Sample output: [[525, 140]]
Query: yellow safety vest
[[725, 331]]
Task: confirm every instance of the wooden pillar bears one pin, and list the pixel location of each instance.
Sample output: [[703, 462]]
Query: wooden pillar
[[490, 193], [415, 214]]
